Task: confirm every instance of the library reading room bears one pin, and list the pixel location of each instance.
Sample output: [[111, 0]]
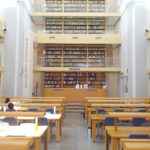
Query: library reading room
[[75, 75]]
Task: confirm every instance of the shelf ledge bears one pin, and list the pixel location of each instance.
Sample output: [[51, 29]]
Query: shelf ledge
[[108, 38], [67, 69], [75, 14]]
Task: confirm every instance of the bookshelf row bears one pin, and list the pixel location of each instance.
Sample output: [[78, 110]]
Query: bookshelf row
[[79, 80], [76, 25], [74, 5], [78, 56]]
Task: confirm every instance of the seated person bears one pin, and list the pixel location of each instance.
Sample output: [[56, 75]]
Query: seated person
[[10, 120], [7, 101], [10, 107]]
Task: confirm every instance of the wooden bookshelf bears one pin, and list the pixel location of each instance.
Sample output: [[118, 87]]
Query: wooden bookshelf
[[78, 57], [54, 6], [76, 22], [85, 80], [77, 44]]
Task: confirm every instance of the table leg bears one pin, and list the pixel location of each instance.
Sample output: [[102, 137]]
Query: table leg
[[114, 143], [61, 127], [93, 131], [58, 130], [89, 119], [107, 140], [86, 112], [46, 140], [37, 144], [49, 132]]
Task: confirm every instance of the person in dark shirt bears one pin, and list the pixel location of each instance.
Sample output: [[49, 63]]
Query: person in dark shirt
[[10, 120], [10, 107]]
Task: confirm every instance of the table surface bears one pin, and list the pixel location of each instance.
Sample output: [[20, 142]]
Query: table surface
[[120, 114], [27, 130], [123, 132], [129, 114], [136, 146], [50, 116], [121, 105]]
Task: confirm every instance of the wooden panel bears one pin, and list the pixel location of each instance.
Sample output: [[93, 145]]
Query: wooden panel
[[14, 143], [78, 39], [72, 94], [113, 80]]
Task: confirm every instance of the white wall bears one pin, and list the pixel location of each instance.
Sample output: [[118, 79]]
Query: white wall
[[147, 3], [9, 11], [25, 67], [18, 47], [134, 48], [140, 48]]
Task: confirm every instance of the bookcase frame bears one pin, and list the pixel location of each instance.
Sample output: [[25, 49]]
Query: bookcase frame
[[75, 28]]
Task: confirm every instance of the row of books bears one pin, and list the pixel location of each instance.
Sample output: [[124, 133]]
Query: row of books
[[57, 80]]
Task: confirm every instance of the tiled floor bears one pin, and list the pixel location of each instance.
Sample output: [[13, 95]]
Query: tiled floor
[[75, 135]]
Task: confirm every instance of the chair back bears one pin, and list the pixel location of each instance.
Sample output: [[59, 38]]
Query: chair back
[[50, 110], [109, 121], [100, 111], [138, 121], [11, 121], [139, 136], [42, 122], [33, 109]]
